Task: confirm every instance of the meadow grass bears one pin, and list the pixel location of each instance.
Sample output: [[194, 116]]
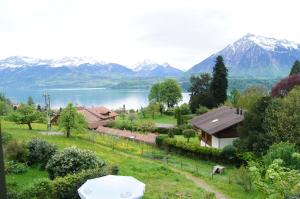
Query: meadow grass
[[145, 162]]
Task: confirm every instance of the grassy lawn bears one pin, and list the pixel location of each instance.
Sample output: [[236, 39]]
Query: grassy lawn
[[19, 181], [153, 174], [192, 140], [162, 119], [145, 162]]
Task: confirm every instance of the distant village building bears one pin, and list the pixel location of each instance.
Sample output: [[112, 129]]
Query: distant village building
[[97, 116], [218, 126]]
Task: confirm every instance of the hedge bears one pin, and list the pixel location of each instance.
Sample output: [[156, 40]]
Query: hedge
[[191, 149], [62, 187]]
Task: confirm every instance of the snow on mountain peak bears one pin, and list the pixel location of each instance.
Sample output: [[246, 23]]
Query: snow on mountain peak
[[145, 65], [21, 61], [74, 61], [270, 43]]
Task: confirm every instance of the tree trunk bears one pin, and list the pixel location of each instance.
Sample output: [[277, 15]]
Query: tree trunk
[[68, 133], [29, 126]]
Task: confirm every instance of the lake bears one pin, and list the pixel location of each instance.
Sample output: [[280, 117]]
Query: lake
[[111, 98]]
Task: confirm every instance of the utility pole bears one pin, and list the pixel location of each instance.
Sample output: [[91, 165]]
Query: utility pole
[[3, 194], [47, 107]]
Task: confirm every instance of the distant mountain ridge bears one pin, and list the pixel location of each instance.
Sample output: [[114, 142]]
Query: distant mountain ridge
[[89, 65], [251, 56], [255, 56], [18, 71]]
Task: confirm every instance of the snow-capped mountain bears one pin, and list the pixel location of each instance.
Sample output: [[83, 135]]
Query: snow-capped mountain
[[23, 61], [149, 68], [256, 56]]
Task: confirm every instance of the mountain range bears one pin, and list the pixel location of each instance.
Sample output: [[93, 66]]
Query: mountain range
[[255, 56], [250, 56]]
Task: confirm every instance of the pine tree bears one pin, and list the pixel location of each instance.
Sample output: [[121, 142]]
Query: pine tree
[[296, 68], [219, 82]]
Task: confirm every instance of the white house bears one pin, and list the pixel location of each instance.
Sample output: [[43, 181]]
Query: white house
[[218, 126]]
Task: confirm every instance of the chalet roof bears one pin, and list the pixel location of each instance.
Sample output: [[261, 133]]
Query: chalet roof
[[217, 119]]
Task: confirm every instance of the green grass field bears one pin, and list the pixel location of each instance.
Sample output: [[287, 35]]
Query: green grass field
[[158, 118], [145, 162]]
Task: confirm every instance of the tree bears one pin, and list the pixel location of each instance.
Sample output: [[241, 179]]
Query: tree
[[70, 120], [25, 114], [282, 118], [219, 83], [285, 151], [155, 95], [178, 116], [234, 97], [171, 92], [189, 133], [200, 92], [131, 117], [250, 96], [185, 109], [295, 68], [276, 181], [30, 101], [4, 108], [253, 136], [152, 108], [284, 86]]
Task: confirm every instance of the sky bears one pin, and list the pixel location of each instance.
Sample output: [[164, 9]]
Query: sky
[[179, 32]]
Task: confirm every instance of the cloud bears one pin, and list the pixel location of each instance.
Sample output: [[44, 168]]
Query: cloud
[[175, 31]]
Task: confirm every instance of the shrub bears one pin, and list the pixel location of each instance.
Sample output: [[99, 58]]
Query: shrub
[[6, 138], [72, 160], [61, 187], [185, 109], [185, 126], [186, 118], [201, 110], [283, 151], [170, 112], [41, 189], [12, 167], [171, 133], [159, 140], [209, 195], [176, 131], [66, 187], [40, 151], [16, 151], [189, 133], [229, 152], [242, 177], [296, 160], [191, 149], [144, 126], [161, 130]]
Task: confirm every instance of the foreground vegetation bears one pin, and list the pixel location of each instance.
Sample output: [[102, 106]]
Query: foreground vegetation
[[148, 164]]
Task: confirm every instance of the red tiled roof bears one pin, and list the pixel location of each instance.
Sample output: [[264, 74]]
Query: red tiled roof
[[96, 116]]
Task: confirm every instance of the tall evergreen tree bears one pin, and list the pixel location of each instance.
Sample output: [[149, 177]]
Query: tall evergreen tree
[[219, 82], [296, 68]]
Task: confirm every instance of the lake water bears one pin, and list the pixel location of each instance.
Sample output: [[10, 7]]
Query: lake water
[[111, 98]]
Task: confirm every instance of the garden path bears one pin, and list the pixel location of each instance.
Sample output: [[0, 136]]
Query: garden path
[[202, 184]]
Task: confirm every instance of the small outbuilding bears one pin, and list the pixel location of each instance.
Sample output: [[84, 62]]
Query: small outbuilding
[[219, 126]]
